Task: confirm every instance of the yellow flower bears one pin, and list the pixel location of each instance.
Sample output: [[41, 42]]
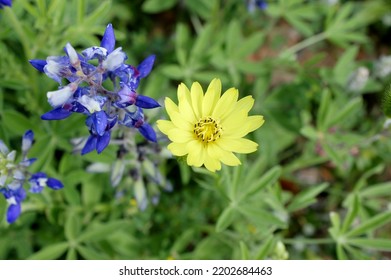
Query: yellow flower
[[210, 128]]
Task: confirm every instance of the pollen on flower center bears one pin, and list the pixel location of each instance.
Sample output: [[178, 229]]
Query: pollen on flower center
[[207, 129]]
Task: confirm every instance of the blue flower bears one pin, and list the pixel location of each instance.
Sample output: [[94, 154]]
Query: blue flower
[[13, 176], [40, 180], [5, 3], [14, 198], [252, 5], [85, 93]]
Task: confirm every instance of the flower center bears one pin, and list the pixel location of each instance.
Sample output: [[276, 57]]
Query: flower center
[[207, 129]]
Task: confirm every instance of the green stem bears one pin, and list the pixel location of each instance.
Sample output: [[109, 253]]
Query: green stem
[[304, 44]]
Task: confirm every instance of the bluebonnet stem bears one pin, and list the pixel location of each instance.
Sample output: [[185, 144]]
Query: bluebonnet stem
[[85, 93], [13, 176], [5, 3]]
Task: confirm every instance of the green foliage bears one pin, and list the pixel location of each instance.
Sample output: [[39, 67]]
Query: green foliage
[[317, 188]]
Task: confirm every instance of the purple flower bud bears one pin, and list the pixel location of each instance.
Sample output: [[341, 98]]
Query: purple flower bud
[[145, 67], [146, 102], [56, 114], [38, 64], [108, 40], [103, 141], [90, 145], [54, 184], [147, 131]]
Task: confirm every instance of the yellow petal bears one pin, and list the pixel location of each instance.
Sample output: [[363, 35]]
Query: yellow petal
[[170, 106], [241, 145], [164, 126], [197, 96], [225, 104], [234, 120], [180, 136], [184, 103], [179, 121], [255, 122], [228, 158], [196, 154], [211, 97], [178, 149], [246, 103], [212, 164], [249, 124]]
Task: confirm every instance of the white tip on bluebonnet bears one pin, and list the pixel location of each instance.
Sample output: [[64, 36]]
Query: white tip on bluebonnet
[[72, 54], [114, 59], [59, 97]]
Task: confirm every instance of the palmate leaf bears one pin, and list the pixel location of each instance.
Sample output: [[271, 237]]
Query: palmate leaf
[[342, 26], [50, 252]]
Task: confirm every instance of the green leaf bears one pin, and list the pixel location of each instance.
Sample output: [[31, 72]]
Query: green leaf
[[172, 71], [17, 123], [333, 155], [336, 224], [50, 252], [377, 244], [182, 40], [341, 255], [323, 112], [268, 179], [72, 226], [101, 232], [156, 6], [244, 251], [90, 254], [250, 45], [306, 198], [91, 192], [352, 213], [71, 254], [202, 44], [353, 105], [233, 38], [309, 132], [99, 14], [226, 218], [266, 247], [345, 65], [377, 190], [260, 216], [371, 224]]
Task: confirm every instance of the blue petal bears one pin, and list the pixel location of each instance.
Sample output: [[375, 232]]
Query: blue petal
[[108, 40], [27, 140], [147, 131], [56, 114], [38, 64], [5, 2], [100, 122], [54, 184], [103, 141], [146, 102], [13, 212], [90, 145], [145, 67]]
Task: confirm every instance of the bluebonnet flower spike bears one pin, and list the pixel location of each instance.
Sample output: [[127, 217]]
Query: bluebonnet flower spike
[[85, 93], [13, 176]]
